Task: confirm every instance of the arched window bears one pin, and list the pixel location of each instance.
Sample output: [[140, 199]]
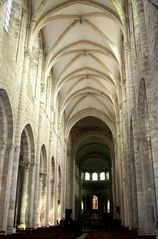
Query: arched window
[[94, 176], [108, 206], [102, 176], [82, 206], [107, 176], [95, 202], [8, 14], [87, 176]]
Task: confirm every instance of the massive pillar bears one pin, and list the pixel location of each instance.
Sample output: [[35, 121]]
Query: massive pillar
[[7, 152], [26, 167], [21, 109]]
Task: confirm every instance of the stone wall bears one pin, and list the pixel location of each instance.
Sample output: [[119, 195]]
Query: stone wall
[[31, 125], [138, 119], [31, 104]]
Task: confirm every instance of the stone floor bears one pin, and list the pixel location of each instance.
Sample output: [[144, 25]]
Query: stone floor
[[102, 233]]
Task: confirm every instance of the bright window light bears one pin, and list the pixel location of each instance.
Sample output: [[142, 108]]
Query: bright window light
[[8, 14], [94, 176], [102, 176], [87, 176], [82, 206], [108, 206]]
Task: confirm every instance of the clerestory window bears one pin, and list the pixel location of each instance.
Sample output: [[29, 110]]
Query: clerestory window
[[95, 177], [102, 176], [87, 176]]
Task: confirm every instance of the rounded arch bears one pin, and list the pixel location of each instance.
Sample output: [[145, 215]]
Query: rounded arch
[[43, 159], [85, 113], [100, 135], [27, 142], [6, 146], [24, 195], [6, 119]]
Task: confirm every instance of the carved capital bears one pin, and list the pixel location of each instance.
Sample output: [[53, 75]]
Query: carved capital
[[25, 164], [43, 87], [127, 46], [52, 181], [42, 175], [3, 146], [27, 53]]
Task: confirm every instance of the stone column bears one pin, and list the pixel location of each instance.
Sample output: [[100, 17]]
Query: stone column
[[37, 163], [31, 194], [2, 157], [68, 179], [145, 73], [5, 189], [73, 184], [125, 153], [37, 174], [11, 213], [118, 162], [41, 197], [24, 201], [131, 60], [122, 170], [19, 125], [56, 194], [49, 178]]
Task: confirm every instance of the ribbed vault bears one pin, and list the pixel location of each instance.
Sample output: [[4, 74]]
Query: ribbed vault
[[82, 42]]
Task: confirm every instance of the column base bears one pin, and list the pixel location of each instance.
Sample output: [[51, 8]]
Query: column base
[[10, 230], [22, 226], [144, 235]]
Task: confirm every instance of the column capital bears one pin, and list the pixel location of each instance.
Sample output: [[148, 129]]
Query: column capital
[[43, 87], [52, 181], [27, 52], [42, 175], [25, 164], [3, 145], [127, 45]]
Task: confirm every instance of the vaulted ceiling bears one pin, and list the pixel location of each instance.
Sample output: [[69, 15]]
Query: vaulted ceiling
[[83, 47]]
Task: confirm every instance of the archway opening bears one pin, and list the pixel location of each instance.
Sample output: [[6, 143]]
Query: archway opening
[[24, 196], [91, 147]]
